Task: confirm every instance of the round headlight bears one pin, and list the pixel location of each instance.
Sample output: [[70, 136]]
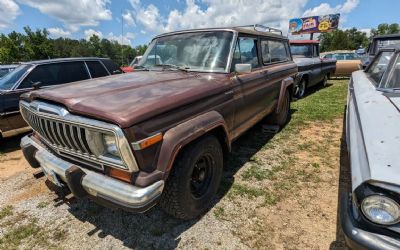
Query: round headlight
[[381, 210]]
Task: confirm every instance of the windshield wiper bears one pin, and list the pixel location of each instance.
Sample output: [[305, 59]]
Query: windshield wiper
[[173, 66]]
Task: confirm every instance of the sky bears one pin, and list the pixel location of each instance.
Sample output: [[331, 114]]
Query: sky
[[140, 20]]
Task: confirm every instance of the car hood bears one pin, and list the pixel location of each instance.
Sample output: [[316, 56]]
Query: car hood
[[378, 119], [127, 99]]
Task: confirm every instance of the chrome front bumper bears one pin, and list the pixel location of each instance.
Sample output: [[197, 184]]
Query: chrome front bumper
[[96, 185]]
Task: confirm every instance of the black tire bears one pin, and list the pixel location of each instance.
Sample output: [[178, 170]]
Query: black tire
[[194, 179], [282, 117], [300, 89]]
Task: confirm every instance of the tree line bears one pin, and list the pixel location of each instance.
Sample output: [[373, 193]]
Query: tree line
[[352, 39], [37, 45]]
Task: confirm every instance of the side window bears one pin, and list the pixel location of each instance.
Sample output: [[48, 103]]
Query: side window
[[266, 56], [379, 66], [111, 66], [45, 74], [96, 69], [246, 52], [72, 72], [273, 51]]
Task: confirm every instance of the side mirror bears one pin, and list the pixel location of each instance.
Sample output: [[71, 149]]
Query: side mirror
[[242, 68], [36, 85]]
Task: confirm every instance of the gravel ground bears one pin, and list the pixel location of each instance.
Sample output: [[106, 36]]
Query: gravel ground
[[278, 192]]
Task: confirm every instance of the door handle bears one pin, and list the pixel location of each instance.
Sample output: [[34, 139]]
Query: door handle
[[230, 92]]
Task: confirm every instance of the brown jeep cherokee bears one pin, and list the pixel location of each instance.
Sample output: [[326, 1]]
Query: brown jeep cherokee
[[160, 133]]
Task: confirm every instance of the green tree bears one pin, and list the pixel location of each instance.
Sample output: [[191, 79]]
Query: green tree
[[349, 39], [386, 29]]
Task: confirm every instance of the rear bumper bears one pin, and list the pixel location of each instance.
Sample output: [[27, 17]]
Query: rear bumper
[[84, 182], [357, 238]]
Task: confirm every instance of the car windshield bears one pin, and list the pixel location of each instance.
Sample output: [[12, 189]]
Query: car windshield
[[379, 66], [301, 50], [387, 42], [8, 81], [394, 77], [196, 51]]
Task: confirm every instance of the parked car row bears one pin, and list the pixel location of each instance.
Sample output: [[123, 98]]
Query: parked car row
[[43, 74]]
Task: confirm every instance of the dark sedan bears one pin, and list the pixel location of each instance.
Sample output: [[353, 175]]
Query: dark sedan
[[44, 73]]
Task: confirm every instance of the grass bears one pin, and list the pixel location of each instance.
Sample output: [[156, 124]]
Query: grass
[[6, 211], [14, 237], [42, 204], [274, 164]]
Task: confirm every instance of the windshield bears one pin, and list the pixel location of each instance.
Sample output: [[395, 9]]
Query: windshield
[[301, 50], [379, 66], [197, 51], [394, 77], [11, 78], [342, 56]]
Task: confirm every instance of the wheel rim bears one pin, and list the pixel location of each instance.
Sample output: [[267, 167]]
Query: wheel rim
[[325, 81], [301, 89], [201, 176]]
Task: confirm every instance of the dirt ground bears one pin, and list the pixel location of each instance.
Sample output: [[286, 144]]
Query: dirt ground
[[278, 192]]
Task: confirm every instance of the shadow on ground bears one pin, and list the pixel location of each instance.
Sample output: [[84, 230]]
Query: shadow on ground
[[344, 185], [156, 229], [10, 144]]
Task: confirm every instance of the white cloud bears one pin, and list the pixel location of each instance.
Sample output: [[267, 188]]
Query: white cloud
[[325, 8], [74, 14], [128, 18], [127, 39], [90, 32], [9, 10], [219, 13], [58, 32]]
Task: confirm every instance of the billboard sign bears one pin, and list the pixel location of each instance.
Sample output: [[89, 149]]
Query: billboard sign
[[314, 24]]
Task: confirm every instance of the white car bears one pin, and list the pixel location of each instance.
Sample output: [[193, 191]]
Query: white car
[[370, 211]]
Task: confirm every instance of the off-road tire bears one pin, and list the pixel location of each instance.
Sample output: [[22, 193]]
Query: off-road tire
[[178, 198], [282, 117]]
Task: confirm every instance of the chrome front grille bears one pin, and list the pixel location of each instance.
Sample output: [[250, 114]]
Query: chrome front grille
[[76, 136], [59, 134]]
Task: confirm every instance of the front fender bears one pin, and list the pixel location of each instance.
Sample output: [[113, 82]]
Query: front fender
[[286, 83], [177, 137]]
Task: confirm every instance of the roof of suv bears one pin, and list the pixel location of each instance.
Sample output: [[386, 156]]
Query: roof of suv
[[244, 30], [71, 59], [387, 36]]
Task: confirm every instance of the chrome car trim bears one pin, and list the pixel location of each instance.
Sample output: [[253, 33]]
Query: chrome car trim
[[51, 115], [96, 184]]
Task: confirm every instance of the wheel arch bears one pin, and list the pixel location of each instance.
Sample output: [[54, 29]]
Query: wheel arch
[[182, 135], [287, 84]]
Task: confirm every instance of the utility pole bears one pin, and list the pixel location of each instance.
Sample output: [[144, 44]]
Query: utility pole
[[122, 39]]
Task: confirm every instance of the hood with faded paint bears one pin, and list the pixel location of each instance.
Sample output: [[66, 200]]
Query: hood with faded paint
[[378, 117], [127, 99]]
